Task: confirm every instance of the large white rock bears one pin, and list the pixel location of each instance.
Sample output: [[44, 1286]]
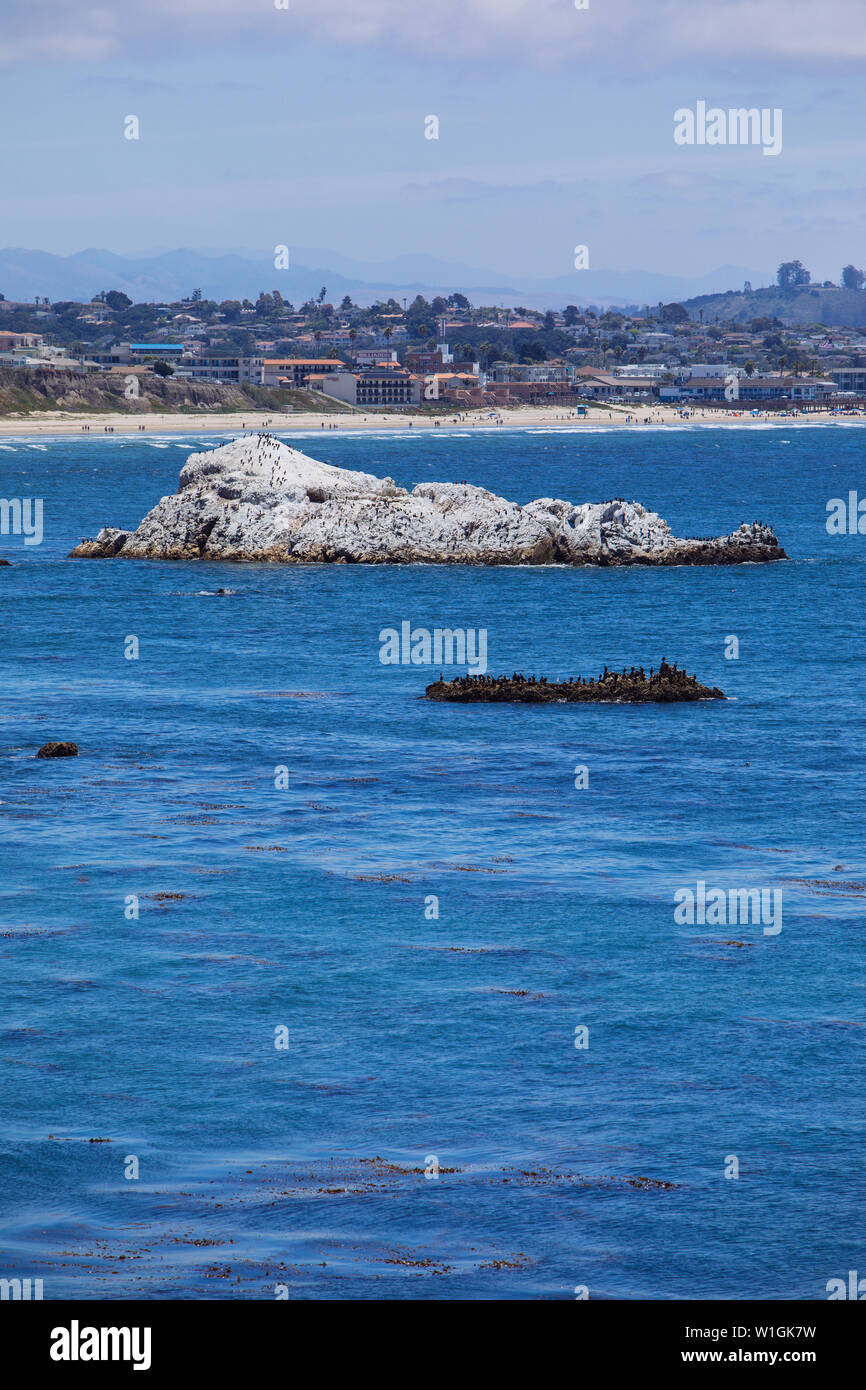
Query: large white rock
[[259, 499]]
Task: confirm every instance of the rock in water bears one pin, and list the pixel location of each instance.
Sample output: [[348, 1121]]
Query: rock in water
[[58, 750], [259, 499], [665, 686]]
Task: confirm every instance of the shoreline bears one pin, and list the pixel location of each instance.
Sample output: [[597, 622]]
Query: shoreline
[[65, 423]]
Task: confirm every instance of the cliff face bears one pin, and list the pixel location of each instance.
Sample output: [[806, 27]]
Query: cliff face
[[26, 390], [258, 499]]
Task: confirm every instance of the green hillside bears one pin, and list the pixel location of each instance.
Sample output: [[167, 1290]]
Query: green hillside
[[805, 304]]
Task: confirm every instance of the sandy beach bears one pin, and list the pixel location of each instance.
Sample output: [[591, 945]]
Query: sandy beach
[[521, 417]]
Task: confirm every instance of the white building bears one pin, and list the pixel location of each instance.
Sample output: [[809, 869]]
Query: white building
[[714, 369], [373, 386], [652, 370]]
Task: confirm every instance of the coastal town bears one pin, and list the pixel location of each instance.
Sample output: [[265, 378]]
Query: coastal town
[[441, 355]]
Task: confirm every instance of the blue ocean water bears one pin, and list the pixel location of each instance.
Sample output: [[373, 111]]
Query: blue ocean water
[[432, 1130]]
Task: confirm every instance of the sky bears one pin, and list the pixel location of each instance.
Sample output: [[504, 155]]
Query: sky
[[305, 125]]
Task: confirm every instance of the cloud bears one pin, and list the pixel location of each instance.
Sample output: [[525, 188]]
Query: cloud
[[620, 33]]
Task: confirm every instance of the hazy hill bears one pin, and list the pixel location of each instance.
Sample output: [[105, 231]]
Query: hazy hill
[[237, 274], [810, 304]]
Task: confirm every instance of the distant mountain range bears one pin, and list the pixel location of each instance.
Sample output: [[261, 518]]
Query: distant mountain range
[[240, 274]]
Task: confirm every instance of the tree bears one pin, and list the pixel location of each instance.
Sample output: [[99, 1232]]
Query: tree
[[346, 304], [161, 368], [322, 292], [117, 300], [418, 309], [674, 313], [550, 320], [852, 278], [571, 315], [195, 296], [532, 352], [792, 274], [750, 367]]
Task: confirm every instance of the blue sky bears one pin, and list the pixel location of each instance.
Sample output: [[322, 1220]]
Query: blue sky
[[306, 127]]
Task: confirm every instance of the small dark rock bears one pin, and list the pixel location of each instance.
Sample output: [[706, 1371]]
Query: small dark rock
[[58, 750]]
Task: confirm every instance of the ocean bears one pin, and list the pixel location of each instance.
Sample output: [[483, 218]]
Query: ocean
[[313, 989]]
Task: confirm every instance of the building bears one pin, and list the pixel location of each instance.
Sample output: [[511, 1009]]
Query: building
[[293, 371], [850, 379], [440, 360], [115, 355], [373, 357], [447, 386], [223, 367], [74, 365], [424, 361], [163, 352], [374, 386], [602, 387], [501, 372], [653, 371], [18, 342], [712, 369], [759, 388]]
